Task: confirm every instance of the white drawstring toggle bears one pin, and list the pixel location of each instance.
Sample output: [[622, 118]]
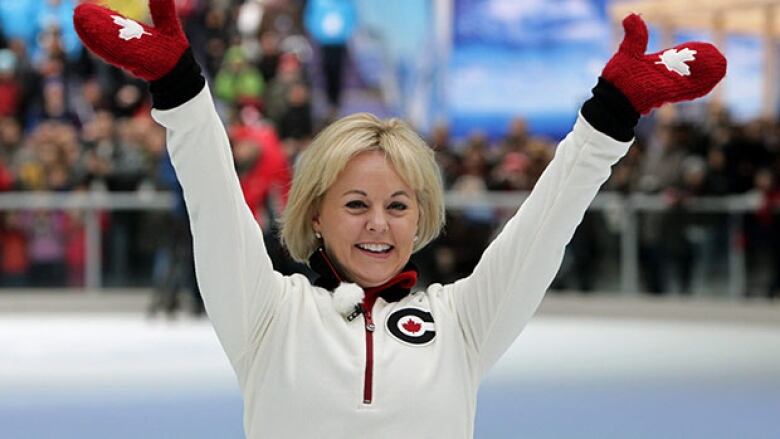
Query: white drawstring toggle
[[347, 299]]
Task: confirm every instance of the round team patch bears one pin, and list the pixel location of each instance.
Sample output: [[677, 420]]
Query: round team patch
[[412, 325]]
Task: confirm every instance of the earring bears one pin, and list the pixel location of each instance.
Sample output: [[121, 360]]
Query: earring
[[416, 238], [317, 234]]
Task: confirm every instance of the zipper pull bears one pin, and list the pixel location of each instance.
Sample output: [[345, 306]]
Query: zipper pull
[[370, 327]]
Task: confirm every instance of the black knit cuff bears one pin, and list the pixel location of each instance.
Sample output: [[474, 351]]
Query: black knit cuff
[[610, 112], [179, 85]]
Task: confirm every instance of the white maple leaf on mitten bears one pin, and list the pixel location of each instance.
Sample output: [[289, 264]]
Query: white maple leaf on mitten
[[675, 61], [130, 28]]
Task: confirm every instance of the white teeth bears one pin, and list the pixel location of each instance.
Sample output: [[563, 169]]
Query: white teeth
[[376, 248]]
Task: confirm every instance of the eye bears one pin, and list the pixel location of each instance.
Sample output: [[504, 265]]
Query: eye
[[356, 204], [398, 206]]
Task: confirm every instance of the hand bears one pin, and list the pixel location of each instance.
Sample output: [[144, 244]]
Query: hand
[[146, 52], [684, 72]]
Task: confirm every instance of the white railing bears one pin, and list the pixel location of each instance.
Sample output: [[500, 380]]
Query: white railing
[[628, 207], [91, 203]]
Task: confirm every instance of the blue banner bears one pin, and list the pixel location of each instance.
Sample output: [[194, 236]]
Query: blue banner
[[533, 58]]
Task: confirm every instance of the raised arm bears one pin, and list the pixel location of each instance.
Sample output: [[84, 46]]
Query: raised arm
[[495, 302], [235, 275]]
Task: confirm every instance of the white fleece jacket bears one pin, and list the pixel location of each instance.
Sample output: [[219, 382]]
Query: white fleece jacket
[[301, 366]]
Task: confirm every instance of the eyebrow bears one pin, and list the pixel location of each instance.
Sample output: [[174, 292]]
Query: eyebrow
[[359, 192]]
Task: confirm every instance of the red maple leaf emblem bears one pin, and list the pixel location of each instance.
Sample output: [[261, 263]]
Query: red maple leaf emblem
[[412, 326]]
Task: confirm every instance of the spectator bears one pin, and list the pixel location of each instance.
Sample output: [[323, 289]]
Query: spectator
[[17, 18], [130, 100], [269, 55], [265, 176], [331, 24], [516, 137], [237, 81], [625, 174], [276, 97], [53, 20], [174, 267], [512, 173], [75, 249], [215, 31], [682, 229], [13, 246], [15, 263], [716, 179], [6, 177], [29, 79], [581, 261], [249, 18], [762, 230], [46, 234], [663, 160], [3, 40], [475, 222], [91, 99], [448, 159], [11, 151], [54, 106], [264, 172], [660, 169], [113, 160], [295, 126], [746, 153], [10, 87], [540, 153]]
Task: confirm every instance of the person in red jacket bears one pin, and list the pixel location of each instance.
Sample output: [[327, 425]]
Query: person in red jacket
[[10, 88], [13, 243], [265, 176], [263, 170]]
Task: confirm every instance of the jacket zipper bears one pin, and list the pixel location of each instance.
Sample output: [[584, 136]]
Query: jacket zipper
[[368, 378], [366, 307]]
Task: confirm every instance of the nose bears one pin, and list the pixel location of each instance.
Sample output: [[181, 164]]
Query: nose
[[377, 222]]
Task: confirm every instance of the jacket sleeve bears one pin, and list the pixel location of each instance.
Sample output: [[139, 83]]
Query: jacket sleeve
[[235, 275], [495, 302]]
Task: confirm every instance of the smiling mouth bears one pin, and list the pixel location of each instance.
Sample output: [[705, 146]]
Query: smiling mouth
[[376, 249]]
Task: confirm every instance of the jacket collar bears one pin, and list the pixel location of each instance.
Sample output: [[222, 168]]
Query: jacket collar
[[392, 291]]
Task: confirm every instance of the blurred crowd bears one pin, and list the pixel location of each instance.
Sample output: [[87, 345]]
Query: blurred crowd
[[678, 160], [69, 122], [715, 157]]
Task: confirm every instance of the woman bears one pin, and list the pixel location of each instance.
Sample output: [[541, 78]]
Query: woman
[[356, 352]]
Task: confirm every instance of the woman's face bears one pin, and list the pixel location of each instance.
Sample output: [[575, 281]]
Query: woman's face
[[368, 220]]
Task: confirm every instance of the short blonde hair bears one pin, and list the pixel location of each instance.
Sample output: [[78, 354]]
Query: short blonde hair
[[321, 163]]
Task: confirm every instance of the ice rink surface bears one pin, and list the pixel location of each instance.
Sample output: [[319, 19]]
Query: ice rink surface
[[120, 375]]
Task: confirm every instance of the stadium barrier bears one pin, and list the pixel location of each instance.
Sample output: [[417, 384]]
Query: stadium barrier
[[625, 208]]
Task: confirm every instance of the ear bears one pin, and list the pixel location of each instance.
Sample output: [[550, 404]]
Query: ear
[[315, 221]]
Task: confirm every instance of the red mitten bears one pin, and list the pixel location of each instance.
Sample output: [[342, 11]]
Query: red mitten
[[684, 72], [146, 52]]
